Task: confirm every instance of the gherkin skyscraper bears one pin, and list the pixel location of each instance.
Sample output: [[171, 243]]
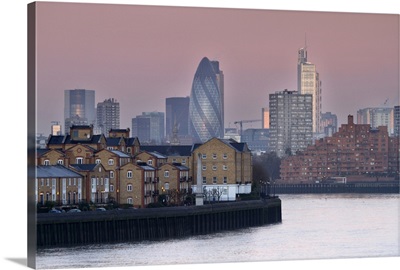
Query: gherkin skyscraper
[[206, 107]]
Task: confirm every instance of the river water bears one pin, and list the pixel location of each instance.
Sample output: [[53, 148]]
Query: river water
[[314, 226]]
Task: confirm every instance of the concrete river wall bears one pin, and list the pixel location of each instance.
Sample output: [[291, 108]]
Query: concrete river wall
[[131, 225], [335, 188]]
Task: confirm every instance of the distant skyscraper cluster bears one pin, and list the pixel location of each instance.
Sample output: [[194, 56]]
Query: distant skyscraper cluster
[[293, 121]]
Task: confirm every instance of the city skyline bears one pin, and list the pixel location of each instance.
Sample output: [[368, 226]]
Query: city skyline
[[116, 51]]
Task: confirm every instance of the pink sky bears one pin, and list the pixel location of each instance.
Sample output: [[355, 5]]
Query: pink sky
[[141, 55]]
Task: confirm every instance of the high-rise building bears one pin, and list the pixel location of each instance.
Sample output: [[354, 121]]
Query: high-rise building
[[396, 121], [290, 122], [177, 116], [265, 118], [108, 115], [206, 106], [149, 127], [308, 82], [79, 108], [377, 117]]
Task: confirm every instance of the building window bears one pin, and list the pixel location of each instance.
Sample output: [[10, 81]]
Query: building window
[[129, 201], [93, 184], [183, 161], [174, 160], [46, 162], [60, 162], [42, 182], [224, 156], [204, 167], [204, 180], [214, 179], [111, 161], [128, 149], [48, 182], [214, 156], [129, 174], [79, 160], [111, 174], [129, 187], [98, 161], [225, 168], [150, 162], [166, 174], [225, 180], [166, 186], [111, 188], [204, 156], [214, 168]]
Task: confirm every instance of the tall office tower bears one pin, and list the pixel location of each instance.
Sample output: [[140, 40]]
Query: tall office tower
[[55, 128], [308, 82], [377, 117], [265, 118], [79, 108], [206, 106], [396, 121], [177, 116], [149, 127], [108, 115], [290, 122]]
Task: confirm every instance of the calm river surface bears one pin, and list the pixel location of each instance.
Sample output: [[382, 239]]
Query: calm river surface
[[315, 226]]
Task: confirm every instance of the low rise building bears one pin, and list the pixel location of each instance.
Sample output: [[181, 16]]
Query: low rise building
[[58, 184]]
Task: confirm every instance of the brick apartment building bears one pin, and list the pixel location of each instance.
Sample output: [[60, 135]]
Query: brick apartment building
[[355, 151]]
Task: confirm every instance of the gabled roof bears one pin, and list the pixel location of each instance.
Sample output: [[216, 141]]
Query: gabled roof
[[66, 139], [241, 147], [94, 139], [169, 150], [55, 139], [55, 171], [120, 153], [131, 141], [41, 152], [84, 167], [113, 141]]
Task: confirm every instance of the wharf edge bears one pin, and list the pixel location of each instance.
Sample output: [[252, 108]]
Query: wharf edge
[[134, 225]]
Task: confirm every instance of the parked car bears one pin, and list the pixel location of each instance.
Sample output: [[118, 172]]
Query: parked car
[[75, 210], [54, 211], [101, 209]]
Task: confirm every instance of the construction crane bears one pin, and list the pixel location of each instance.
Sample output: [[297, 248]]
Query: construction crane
[[245, 121]]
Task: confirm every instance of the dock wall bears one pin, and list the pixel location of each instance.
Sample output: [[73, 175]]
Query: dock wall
[[335, 188], [132, 225]]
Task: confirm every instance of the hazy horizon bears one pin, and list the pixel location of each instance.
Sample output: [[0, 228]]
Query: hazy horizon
[[140, 55]]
